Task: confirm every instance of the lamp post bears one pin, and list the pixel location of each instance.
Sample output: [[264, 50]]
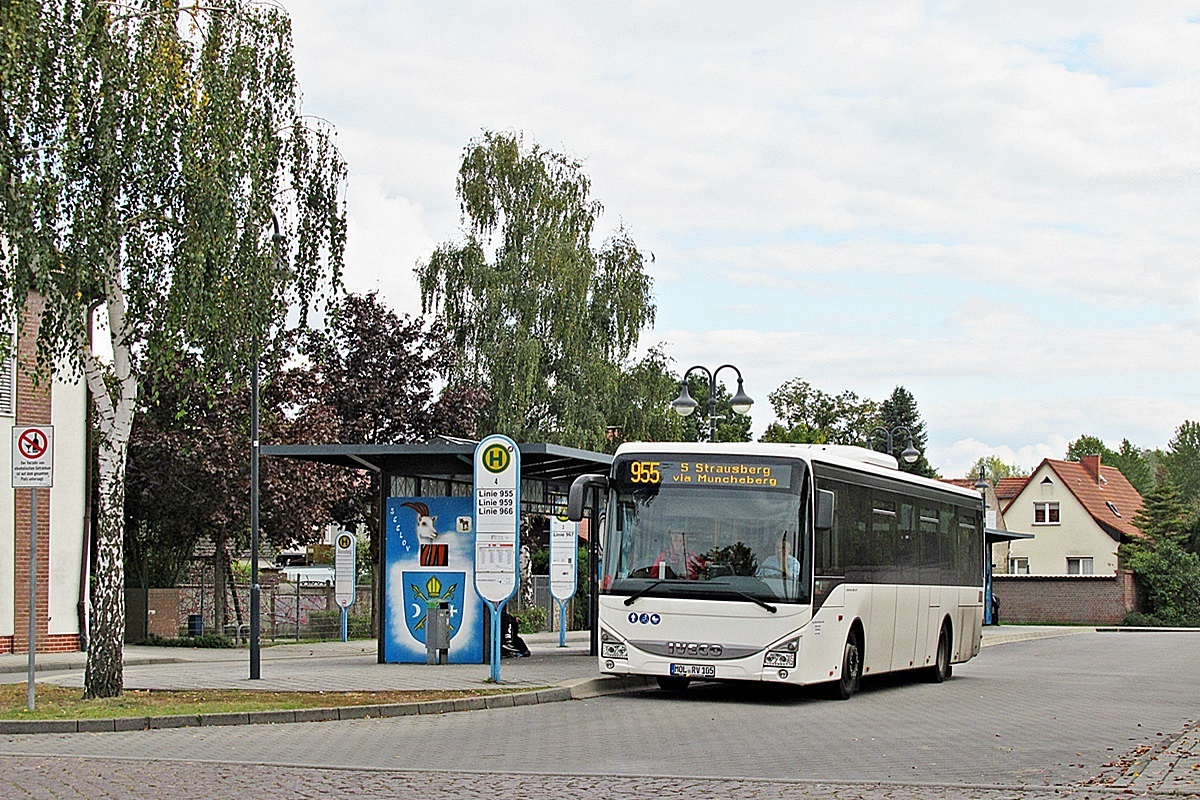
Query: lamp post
[[910, 454], [255, 589], [685, 404]]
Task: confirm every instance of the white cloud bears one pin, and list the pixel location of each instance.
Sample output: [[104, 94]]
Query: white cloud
[[993, 206], [386, 237]]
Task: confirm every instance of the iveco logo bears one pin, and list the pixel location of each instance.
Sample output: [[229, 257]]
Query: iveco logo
[[694, 649]]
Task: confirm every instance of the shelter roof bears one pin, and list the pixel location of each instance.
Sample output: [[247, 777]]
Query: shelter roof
[[446, 458]]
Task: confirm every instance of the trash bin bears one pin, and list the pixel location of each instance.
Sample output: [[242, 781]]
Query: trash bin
[[195, 625], [437, 634]]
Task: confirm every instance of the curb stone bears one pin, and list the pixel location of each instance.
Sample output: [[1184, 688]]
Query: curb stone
[[589, 687]]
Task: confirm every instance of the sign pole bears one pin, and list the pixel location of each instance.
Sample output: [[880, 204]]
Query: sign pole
[[564, 552], [29, 693], [562, 622], [33, 469]]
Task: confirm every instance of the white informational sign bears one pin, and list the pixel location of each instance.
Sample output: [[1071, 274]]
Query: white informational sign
[[345, 560], [33, 457], [497, 517], [564, 552]]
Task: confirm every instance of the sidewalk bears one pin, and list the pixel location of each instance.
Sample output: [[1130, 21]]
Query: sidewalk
[[353, 666], [550, 674]]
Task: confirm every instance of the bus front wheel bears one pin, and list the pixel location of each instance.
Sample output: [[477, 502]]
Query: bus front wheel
[[845, 687]]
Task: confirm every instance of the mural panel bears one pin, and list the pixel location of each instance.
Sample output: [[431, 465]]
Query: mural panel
[[431, 560]]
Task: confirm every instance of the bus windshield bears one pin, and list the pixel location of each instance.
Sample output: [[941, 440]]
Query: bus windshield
[[711, 526]]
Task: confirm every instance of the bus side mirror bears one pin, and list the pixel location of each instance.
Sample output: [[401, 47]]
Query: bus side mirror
[[577, 496], [824, 510]]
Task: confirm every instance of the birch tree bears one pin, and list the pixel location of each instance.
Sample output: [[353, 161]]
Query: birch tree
[[145, 148], [541, 319]]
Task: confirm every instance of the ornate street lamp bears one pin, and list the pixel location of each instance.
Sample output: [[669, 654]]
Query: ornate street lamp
[[685, 404], [910, 454]]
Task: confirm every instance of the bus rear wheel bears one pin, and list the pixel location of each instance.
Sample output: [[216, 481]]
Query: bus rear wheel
[[845, 687], [941, 668], [672, 683]]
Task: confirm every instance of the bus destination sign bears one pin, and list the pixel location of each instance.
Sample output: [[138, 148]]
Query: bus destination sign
[[733, 473]]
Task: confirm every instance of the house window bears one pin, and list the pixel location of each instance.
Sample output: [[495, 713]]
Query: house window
[[1112, 508], [1045, 514], [1018, 566], [1079, 565]]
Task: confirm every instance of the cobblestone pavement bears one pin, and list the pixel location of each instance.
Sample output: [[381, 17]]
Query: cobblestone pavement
[[36, 778], [1093, 716]]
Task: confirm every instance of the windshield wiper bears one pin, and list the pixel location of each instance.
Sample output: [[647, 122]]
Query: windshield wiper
[[642, 591], [754, 600]]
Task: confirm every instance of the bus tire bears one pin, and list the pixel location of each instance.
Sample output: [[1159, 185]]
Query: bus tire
[[941, 668], [672, 683], [845, 686]]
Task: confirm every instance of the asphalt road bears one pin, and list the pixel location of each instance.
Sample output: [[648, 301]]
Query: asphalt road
[[1063, 717]]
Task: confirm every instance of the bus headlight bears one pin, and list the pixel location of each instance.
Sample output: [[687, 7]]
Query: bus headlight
[[611, 646], [783, 655]]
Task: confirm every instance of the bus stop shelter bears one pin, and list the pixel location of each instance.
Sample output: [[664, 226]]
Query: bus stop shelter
[[444, 467], [994, 536]]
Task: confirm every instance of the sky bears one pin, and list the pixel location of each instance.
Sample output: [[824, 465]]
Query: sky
[[994, 205]]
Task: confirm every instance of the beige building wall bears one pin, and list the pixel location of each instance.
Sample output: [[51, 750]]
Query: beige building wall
[[67, 505], [1077, 534]]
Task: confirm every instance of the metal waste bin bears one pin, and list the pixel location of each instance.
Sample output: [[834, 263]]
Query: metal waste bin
[[437, 634]]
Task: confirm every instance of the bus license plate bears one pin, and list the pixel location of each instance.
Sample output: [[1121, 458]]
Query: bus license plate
[[694, 670]]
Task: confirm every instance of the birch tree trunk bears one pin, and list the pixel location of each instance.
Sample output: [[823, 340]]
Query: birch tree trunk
[[114, 404]]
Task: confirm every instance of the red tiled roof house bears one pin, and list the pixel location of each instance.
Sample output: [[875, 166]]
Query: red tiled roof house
[[1079, 513]]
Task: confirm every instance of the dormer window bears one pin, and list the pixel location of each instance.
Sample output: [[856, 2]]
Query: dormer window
[[1112, 508]]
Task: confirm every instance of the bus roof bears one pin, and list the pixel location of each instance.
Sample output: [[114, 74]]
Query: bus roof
[[851, 457]]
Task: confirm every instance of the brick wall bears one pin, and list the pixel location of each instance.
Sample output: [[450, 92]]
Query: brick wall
[[33, 408], [1065, 599]]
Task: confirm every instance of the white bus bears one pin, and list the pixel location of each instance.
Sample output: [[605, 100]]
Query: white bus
[[797, 564]]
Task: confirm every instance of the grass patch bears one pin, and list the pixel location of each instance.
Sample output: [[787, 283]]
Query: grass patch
[[58, 702]]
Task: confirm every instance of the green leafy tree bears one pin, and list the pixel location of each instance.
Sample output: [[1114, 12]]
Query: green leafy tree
[[900, 411], [1182, 462], [1168, 576], [1089, 446], [1169, 582], [1136, 464], [640, 410], [807, 415], [994, 469], [1163, 517], [143, 149], [540, 318]]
